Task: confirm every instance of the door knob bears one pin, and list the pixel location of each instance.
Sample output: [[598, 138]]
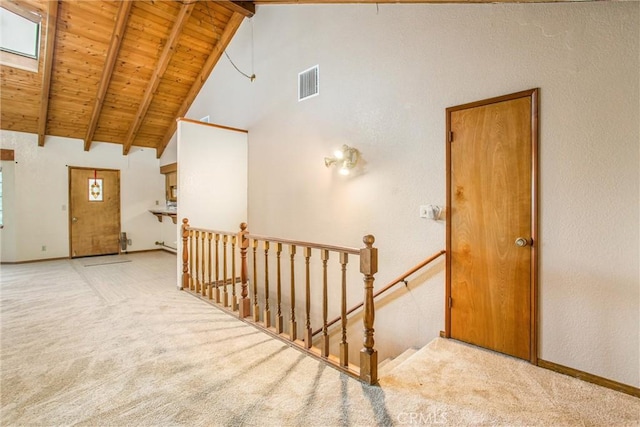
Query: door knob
[[74, 219], [522, 242]]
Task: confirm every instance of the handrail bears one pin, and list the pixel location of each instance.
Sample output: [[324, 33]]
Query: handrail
[[391, 284], [344, 249], [222, 233]]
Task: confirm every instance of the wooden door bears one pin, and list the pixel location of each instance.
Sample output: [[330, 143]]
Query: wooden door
[[491, 224], [94, 211]]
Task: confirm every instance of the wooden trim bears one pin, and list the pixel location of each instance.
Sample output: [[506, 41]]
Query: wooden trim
[[52, 23], [447, 268], [246, 8], [591, 378], [171, 167], [197, 122], [31, 15], [30, 261], [352, 251], [232, 26], [163, 63], [533, 356], [488, 101], [6, 154], [93, 169], [20, 62], [114, 47]]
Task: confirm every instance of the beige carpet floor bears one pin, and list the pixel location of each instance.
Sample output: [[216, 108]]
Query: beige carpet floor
[[117, 345]]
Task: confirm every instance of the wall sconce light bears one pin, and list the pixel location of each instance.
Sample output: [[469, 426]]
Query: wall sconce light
[[345, 158]]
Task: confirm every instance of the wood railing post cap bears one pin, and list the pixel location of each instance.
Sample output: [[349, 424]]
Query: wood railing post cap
[[368, 240], [243, 226], [185, 221]]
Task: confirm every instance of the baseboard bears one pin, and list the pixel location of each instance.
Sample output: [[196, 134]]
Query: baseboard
[[141, 251], [30, 261], [585, 376]]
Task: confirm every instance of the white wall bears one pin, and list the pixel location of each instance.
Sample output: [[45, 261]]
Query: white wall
[[387, 73], [212, 176], [212, 179], [169, 233], [170, 154], [8, 233], [37, 200]]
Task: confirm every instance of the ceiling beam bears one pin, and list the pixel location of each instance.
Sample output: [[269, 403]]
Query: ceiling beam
[[246, 8], [229, 31], [163, 63], [114, 47], [50, 41]]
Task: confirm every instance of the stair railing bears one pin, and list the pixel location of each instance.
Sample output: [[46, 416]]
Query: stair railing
[[400, 279], [202, 262]]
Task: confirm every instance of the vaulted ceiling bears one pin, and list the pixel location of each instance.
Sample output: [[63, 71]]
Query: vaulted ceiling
[[123, 71], [117, 71]]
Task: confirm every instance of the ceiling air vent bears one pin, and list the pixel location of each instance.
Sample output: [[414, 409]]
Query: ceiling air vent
[[309, 83]]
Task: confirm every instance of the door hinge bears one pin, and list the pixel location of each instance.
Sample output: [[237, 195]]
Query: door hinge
[[450, 136], [450, 302]]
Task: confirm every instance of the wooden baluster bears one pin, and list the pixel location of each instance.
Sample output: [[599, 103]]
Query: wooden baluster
[[368, 355], [192, 261], [293, 327], [185, 254], [225, 278], [244, 309], [344, 346], [279, 324], [256, 307], [267, 311], [197, 252], [216, 284], [234, 300], [210, 287], [308, 334], [324, 255], [203, 259]]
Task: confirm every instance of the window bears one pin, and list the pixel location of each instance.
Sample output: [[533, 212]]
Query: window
[[19, 37]]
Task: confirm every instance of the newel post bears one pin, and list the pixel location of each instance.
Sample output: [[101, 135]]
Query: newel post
[[185, 254], [368, 355], [244, 304]]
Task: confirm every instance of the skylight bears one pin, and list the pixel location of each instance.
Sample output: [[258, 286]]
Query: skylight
[[19, 38]]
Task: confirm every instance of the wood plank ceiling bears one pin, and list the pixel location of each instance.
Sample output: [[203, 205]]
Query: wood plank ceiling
[[123, 71], [117, 71]]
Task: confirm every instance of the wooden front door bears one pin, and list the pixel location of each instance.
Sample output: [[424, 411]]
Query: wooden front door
[[94, 211], [491, 224]]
